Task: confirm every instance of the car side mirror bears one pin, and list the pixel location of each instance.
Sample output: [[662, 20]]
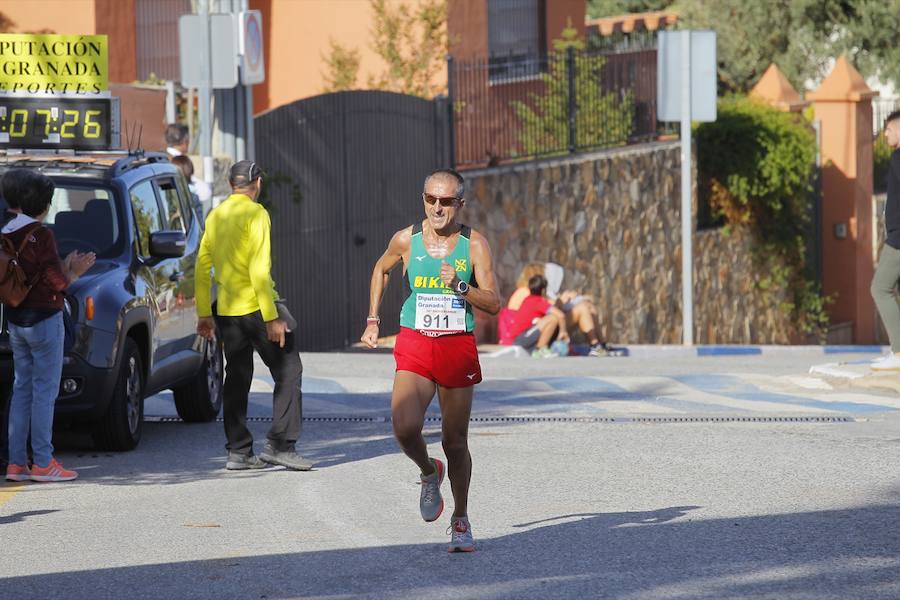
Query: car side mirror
[[167, 244]]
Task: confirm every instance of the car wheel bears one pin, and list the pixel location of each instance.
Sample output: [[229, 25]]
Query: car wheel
[[120, 428], [200, 400]]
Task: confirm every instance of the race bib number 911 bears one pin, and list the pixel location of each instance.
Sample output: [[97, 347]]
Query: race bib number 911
[[440, 312]]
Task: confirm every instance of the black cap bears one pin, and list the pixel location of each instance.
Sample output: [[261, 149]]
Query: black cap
[[243, 173]]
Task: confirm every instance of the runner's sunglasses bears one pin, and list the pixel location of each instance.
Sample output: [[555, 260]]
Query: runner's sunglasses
[[446, 202]]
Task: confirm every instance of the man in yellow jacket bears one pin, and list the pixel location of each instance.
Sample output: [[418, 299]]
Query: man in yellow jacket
[[236, 252]]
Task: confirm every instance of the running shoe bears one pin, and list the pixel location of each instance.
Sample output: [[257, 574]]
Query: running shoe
[[543, 353], [461, 539], [52, 472], [889, 362], [431, 504], [18, 473], [603, 349]]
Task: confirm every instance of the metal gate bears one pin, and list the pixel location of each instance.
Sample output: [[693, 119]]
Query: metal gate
[[344, 172]]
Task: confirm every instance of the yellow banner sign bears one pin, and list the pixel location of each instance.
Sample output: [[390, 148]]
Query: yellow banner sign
[[50, 63]]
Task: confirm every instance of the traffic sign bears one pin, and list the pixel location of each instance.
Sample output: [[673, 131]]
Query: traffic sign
[[223, 50], [251, 48], [702, 74], [685, 92]]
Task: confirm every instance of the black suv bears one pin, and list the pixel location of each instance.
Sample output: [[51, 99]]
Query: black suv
[[133, 312]]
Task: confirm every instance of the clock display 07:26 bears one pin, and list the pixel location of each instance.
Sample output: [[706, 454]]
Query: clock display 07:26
[[55, 123]]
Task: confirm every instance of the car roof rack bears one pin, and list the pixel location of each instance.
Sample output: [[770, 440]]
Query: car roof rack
[[137, 159], [106, 163]]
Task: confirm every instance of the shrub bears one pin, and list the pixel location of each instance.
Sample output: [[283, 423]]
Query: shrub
[[756, 165], [881, 161], [604, 119]]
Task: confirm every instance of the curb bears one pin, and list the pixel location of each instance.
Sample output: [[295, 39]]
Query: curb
[[673, 350], [739, 350]]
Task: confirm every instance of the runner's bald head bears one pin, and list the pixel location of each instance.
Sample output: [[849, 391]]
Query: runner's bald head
[[448, 177]]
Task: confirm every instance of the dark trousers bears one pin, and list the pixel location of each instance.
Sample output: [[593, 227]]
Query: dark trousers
[[241, 336]]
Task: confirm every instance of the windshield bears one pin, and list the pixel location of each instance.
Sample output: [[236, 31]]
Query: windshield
[[84, 219]]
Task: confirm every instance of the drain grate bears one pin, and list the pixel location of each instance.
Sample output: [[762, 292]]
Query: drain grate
[[740, 419], [561, 419]]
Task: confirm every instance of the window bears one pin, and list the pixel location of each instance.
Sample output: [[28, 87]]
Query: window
[[188, 201], [516, 42], [146, 214], [173, 209], [83, 219]]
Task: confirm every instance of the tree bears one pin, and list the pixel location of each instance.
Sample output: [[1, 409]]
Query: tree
[[870, 38], [800, 36], [413, 42], [612, 8], [604, 120], [342, 67], [752, 35]]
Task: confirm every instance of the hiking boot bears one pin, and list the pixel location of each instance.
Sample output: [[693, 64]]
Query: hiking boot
[[243, 462], [431, 503], [18, 473], [52, 472], [461, 539], [286, 458]]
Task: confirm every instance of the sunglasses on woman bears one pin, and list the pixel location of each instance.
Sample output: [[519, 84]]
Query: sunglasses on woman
[[446, 202]]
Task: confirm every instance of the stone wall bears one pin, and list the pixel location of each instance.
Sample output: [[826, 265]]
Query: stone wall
[[612, 220], [729, 309]]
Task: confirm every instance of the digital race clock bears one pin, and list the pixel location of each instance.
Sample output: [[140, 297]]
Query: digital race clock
[[59, 122]]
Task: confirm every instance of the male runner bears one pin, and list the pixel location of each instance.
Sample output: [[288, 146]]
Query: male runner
[[447, 270]]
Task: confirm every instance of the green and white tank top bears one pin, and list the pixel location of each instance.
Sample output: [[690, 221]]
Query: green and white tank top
[[431, 307]]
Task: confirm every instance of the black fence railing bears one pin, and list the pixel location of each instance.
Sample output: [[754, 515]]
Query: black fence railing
[[561, 103]]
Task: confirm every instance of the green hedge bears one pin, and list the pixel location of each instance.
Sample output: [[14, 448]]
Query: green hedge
[[881, 161], [756, 166]]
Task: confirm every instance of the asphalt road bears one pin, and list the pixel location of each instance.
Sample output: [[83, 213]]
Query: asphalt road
[[611, 478]]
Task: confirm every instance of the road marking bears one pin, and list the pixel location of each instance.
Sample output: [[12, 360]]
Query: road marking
[[7, 492], [835, 370], [742, 393]]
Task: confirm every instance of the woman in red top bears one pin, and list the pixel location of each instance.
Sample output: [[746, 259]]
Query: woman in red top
[[537, 323], [36, 326]]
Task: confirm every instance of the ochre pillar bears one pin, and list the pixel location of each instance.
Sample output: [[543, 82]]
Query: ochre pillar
[[843, 106]]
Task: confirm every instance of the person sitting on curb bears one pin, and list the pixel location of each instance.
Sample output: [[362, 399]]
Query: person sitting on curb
[[580, 311], [537, 323]]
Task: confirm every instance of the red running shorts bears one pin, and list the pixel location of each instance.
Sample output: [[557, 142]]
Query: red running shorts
[[449, 360]]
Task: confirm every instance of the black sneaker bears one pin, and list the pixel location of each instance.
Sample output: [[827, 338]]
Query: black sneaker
[[243, 462], [286, 458]]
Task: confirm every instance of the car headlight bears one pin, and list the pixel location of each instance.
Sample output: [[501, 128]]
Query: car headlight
[[70, 305]]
